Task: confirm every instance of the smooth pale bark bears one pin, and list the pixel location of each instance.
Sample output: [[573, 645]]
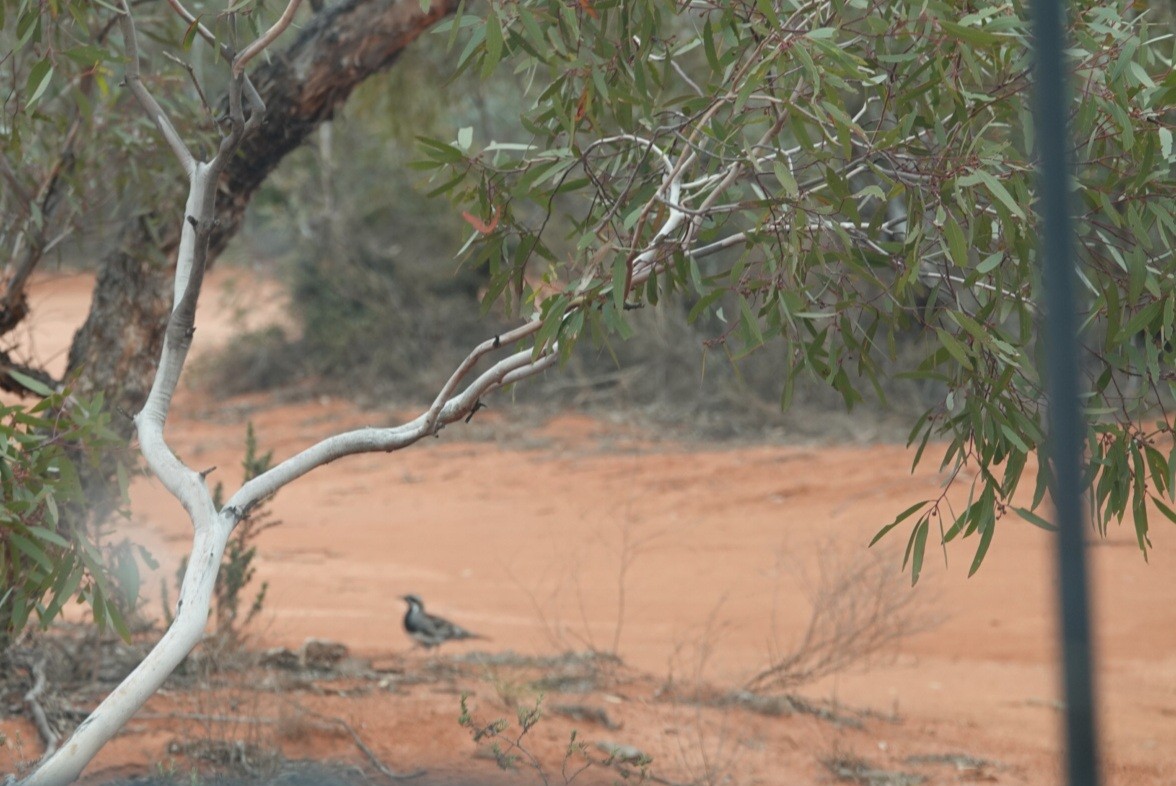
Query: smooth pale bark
[[136, 339], [117, 348]]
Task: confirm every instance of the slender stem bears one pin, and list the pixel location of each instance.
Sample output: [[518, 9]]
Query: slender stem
[[146, 100], [258, 46], [187, 16], [511, 369]]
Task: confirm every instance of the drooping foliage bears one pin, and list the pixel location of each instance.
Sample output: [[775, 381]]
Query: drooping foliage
[[55, 547], [846, 177]]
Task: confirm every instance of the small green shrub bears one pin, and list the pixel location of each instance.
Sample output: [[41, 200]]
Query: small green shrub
[[509, 751], [54, 545]]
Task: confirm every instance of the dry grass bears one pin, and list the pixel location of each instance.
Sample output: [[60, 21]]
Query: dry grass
[[862, 610]]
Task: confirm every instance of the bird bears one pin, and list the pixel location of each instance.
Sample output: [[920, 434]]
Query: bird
[[429, 630]]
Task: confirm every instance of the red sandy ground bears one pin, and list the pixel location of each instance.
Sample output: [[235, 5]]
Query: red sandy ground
[[520, 534]]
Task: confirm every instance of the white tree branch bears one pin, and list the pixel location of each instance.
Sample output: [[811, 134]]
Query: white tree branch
[[145, 99], [67, 763], [368, 440], [211, 528], [463, 369]]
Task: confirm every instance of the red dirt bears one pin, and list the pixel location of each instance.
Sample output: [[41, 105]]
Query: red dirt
[[519, 533]]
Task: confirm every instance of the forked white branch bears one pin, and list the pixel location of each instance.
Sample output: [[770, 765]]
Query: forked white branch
[[212, 527]]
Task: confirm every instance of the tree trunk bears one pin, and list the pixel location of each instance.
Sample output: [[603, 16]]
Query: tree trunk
[[118, 347]]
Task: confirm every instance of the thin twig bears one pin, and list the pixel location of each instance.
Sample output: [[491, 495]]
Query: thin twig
[[258, 46], [339, 723], [195, 82], [23, 199], [205, 33], [33, 703], [232, 720], [135, 82]]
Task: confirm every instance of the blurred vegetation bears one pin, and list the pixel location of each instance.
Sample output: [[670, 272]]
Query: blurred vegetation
[[384, 314], [836, 210], [859, 232], [56, 545]]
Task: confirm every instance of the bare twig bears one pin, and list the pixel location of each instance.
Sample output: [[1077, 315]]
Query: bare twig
[[204, 717], [860, 609], [13, 302], [267, 38], [154, 111], [184, 64], [339, 723], [32, 701]]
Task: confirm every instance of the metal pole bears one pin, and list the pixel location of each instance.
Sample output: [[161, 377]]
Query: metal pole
[[1066, 428]]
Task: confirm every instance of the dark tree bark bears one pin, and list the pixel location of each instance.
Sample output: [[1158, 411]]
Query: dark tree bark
[[117, 349]]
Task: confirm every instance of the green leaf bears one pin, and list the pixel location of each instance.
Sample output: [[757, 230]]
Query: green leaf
[[982, 548], [704, 303], [28, 27], [956, 349], [969, 35], [494, 43], [190, 33], [766, 8], [754, 336], [915, 549], [957, 245], [40, 75], [990, 263], [553, 315], [440, 151], [64, 590], [901, 517], [465, 137], [127, 572], [86, 55], [620, 277], [787, 181], [996, 188], [1157, 466], [708, 46], [1034, 519], [48, 535], [31, 550], [1142, 319], [118, 622], [98, 606]]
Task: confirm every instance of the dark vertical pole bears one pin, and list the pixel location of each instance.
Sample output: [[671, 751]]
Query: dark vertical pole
[[1066, 430]]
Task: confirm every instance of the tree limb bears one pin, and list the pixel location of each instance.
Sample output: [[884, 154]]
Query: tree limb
[[511, 369], [116, 350], [150, 105]]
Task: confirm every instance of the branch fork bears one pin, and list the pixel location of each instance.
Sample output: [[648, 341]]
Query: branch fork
[[460, 397]]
